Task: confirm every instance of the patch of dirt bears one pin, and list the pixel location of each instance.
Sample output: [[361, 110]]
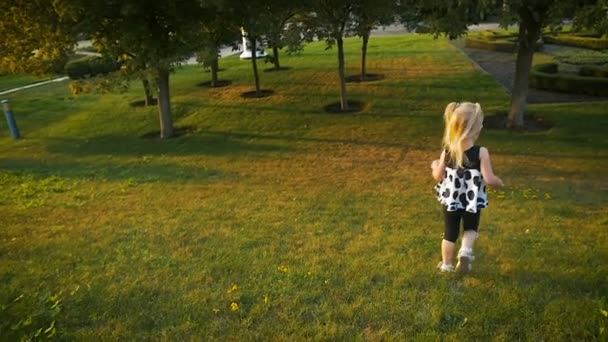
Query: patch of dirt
[[353, 107], [142, 103], [177, 132], [218, 84], [368, 78], [277, 70], [531, 123], [253, 95], [501, 65]]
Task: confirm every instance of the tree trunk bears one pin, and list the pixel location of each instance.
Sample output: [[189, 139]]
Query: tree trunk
[[214, 69], [148, 97], [258, 91], [529, 31], [343, 99], [364, 55], [275, 58], [164, 104]]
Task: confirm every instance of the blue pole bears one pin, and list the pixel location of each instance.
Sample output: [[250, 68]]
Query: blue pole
[[10, 119]]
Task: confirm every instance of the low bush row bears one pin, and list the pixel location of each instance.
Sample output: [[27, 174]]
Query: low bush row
[[89, 66], [547, 76]]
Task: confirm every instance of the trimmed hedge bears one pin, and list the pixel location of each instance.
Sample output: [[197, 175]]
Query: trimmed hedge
[[89, 66], [495, 41], [491, 44], [547, 76], [588, 42], [591, 71]]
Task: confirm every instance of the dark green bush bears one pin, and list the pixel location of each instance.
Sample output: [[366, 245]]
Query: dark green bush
[[593, 71], [490, 44], [547, 76], [500, 41], [89, 66], [588, 42]]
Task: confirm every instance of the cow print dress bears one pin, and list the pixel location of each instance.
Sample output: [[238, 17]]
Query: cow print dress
[[463, 188]]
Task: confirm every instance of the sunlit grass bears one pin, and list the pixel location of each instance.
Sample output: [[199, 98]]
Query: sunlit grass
[[276, 220]]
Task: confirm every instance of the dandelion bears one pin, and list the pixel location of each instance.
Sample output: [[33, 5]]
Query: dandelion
[[283, 269], [265, 299], [234, 307], [233, 288]]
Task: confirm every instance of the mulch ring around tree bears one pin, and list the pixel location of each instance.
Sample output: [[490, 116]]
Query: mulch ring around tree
[[142, 103], [368, 78], [177, 132], [276, 70], [353, 107], [253, 95], [218, 84], [531, 123]]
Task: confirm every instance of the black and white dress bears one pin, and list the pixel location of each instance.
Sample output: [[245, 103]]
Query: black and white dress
[[463, 188]]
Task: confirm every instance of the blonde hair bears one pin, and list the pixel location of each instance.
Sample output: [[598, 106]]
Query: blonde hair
[[462, 120]]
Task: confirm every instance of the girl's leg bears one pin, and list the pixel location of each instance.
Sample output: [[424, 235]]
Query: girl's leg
[[450, 235], [465, 255]]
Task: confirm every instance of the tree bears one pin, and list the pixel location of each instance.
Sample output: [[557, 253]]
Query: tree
[[217, 29], [253, 17], [151, 37], [37, 36], [330, 20], [532, 17], [367, 16], [283, 29]]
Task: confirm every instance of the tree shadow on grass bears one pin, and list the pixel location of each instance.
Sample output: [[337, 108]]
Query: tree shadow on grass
[[139, 171], [194, 144]]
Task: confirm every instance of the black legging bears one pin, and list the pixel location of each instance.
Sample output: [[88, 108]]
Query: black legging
[[470, 221]]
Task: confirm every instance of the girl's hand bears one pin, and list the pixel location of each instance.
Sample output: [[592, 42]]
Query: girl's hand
[[434, 164]]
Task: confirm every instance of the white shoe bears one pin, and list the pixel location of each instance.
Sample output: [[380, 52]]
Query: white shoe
[[443, 268], [465, 262]]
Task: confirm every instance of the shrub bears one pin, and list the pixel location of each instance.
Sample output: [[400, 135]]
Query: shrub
[[492, 45], [547, 76], [583, 41], [89, 66], [593, 71], [501, 41], [581, 57]]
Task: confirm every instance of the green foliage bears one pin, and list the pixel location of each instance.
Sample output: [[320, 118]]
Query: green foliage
[[593, 71], [582, 57], [325, 223], [547, 76], [501, 41], [90, 66], [37, 36], [595, 43], [491, 45]]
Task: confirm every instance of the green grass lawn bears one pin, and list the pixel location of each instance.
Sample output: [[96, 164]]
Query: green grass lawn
[[14, 81], [273, 220]]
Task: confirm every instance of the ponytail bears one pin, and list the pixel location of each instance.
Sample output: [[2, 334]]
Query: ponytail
[[461, 121]]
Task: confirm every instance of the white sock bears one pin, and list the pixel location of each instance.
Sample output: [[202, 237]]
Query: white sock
[[465, 251]]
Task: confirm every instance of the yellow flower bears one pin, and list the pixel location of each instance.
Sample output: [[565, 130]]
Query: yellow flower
[[265, 299], [234, 307], [233, 288], [283, 268]]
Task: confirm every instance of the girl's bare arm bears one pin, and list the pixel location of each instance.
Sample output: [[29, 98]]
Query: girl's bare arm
[[438, 166], [486, 169]]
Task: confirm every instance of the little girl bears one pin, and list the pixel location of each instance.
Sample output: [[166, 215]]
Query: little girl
[[462, 170]]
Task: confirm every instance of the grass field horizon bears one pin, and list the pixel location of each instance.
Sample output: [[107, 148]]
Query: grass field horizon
[[273, 220]]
